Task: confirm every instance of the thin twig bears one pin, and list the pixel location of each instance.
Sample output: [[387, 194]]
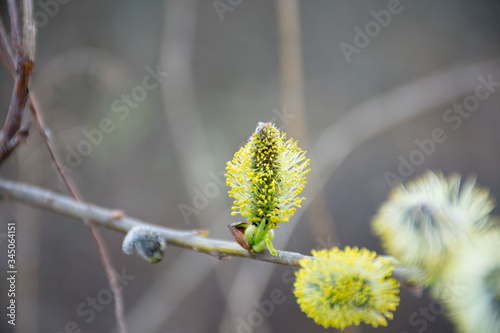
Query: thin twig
[[29, 30], [105, 217], [103, 252], [14, 26]]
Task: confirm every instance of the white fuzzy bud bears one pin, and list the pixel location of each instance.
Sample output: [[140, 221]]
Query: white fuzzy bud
[[146, 242]]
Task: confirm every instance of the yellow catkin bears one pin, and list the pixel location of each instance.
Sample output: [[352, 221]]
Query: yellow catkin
[[342, 288], [266, 176]]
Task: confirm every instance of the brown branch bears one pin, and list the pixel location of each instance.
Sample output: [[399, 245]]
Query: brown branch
[[10, 137], [19, 99], [12, 134], [20, 137], [189, 239]]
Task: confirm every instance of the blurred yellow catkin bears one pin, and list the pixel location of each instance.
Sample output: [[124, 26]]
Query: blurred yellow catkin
[[428, 218]]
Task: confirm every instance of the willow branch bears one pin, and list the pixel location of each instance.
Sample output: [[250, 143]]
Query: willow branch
[[113, 219]]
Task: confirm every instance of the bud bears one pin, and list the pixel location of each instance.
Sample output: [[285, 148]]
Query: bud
[[146, 242]]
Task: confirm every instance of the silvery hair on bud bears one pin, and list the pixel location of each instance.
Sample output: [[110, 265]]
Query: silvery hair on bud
[[146, 242]]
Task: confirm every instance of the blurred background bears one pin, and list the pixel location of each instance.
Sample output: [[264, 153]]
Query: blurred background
[[147, 101]]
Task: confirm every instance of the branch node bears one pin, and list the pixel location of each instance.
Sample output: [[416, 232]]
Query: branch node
[[117, 214]]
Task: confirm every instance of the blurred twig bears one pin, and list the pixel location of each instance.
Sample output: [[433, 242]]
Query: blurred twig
[[291, 77], [183, 117], [192, 239], [190, 139]]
